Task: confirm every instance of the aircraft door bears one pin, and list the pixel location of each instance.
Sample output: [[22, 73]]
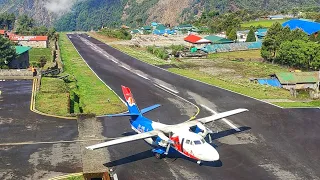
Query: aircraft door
[[187, 146]]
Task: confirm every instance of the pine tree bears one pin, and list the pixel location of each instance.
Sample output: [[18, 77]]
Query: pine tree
[[7, 52], [233, 35], [251, 36]]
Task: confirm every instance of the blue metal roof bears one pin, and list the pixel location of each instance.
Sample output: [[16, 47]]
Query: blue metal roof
[[307, 26], [270, 82]]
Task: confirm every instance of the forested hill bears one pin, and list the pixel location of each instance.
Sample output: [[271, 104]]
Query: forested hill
[[92, 14]]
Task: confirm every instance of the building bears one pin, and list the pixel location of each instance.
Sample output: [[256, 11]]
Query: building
[[2, 32], [307, 26], [22, 60], [217, 40], [32, 41], [242, 35], [261, 33], [196, 41], [298, 80]]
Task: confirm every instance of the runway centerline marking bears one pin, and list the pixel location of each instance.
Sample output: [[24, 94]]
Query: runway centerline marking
[[174, 91], [142, 76], [224, 119]]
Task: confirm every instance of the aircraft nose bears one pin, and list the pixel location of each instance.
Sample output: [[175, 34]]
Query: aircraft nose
[[210, 154]]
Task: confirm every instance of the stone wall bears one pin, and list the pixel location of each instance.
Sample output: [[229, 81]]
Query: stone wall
[[35, 44]]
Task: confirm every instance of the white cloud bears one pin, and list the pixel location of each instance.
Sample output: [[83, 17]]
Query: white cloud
[[59, 6]]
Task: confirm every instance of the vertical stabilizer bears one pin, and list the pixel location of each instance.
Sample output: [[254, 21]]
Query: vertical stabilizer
[[132, 107]]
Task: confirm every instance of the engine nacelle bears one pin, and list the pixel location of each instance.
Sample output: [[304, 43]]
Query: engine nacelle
[[165, 141], [201, 130]]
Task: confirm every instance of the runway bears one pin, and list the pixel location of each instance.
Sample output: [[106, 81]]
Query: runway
[[272, 143]]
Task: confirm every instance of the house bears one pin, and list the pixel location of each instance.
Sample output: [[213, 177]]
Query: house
[[196, 41], [217, 40], [274, 17], [147, 28], [261, 33], [2, 32], [242, 35], [22, 60], [136, 31], [298, 80], [307, 26], [32, 41]]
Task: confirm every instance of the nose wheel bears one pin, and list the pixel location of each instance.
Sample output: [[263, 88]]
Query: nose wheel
[[158, 155]]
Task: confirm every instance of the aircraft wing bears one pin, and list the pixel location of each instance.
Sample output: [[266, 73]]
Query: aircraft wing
[[125, 139], [204, 120]]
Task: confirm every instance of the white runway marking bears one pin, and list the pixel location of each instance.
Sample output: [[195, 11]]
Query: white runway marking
[[168, 88], [126, 68], [224, 119], [142, 76]]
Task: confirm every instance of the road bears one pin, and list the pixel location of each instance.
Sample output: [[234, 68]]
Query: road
[[271, 143], [30, 146]]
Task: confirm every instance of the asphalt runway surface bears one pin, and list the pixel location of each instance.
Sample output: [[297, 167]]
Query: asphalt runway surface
[[29, 143], [267, 143]]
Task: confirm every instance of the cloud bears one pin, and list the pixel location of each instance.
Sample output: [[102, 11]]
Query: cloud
[[59, 6]]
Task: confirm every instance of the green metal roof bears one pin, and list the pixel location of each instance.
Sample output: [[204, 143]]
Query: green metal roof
[[298, 77], [147, 27], [213, 38], [160, 27], [218, 40], [22, 49]]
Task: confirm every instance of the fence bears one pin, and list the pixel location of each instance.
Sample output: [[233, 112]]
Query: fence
[[215, 48]]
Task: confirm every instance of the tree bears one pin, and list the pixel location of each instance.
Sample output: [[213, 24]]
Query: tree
[[233, 35], [7, 52], [298, 34], [251, 36], [272, 42]]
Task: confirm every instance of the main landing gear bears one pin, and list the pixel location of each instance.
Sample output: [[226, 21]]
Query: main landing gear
[[199, 163], [159, 153]]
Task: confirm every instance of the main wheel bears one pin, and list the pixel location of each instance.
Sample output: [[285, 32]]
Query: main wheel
[[158, 156]]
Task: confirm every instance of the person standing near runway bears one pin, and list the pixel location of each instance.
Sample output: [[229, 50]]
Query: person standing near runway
[[34, 71]]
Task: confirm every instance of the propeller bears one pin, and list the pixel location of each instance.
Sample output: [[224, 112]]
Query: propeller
[[166, 139]]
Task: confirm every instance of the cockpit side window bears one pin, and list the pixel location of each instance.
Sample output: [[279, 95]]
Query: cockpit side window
[[197, 142]]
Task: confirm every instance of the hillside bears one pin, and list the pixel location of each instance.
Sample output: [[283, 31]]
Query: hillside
[[93, 14]]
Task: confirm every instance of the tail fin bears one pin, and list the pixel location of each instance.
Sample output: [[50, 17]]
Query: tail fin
[[132, 107]]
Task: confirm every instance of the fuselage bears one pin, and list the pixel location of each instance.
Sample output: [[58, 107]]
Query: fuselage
[[184, 140]]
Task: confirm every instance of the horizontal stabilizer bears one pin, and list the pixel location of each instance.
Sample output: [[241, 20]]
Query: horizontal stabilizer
[[122, 114], [150, 108]]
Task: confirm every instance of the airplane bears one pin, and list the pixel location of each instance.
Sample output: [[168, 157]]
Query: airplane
[[187, 138]]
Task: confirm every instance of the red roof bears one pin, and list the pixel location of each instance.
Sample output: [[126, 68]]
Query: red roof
[[2, 32], [192, 38], [28, 38]]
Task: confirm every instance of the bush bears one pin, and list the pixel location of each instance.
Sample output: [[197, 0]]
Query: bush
[[116, 33], [159, 52]]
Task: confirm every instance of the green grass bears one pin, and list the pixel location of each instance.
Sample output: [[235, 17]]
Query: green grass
[[53, 97], [87, 91], [36, 53], [299, 104], [236, 80], [263, 23], [252, 54]]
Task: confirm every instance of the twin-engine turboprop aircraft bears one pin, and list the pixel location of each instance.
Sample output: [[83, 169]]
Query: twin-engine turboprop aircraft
[[180, 137]]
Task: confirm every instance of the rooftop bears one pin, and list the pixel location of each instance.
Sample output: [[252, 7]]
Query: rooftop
[[307, 26], [298, 77], [2, 31], [22, 49], [28, 38]]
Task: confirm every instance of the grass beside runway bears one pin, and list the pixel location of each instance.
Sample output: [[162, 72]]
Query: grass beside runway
[[225, 70], [87, 93], [53, 97], [263, 23]]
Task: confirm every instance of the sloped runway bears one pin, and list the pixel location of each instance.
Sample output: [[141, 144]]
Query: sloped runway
[[265, 143]]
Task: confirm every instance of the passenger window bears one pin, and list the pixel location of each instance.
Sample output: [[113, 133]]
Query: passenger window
[[188, 141], [197, 142]]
